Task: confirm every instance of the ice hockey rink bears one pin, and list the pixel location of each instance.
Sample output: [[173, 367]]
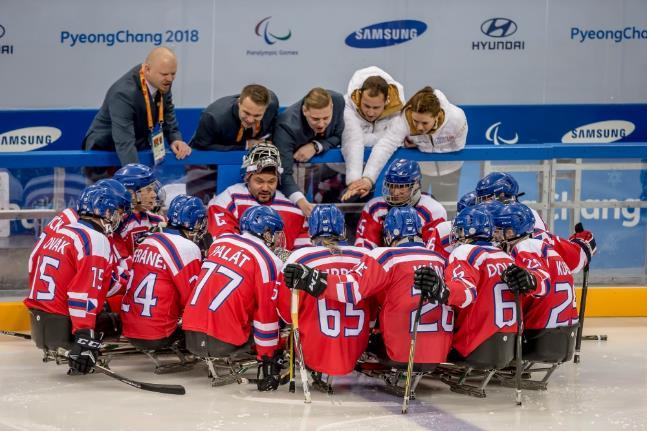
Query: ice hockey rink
[[607, 390]]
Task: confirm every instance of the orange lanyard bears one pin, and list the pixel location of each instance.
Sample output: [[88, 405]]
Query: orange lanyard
[[149, 114], [241, 131]]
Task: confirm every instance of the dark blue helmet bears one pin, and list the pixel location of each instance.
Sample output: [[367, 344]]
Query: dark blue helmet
[[467, 200], [135, 176], [187, 212], [118, 188], [402, 174], [265, 223], [515, 219], [473, 224], [497, 185], [326, 220], [401, 222], [491, 207], [105, 204], [118, 191]]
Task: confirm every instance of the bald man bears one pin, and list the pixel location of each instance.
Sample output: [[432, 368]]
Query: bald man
[[137, 107]]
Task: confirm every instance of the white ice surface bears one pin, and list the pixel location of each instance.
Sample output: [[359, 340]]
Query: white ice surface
[[606, 391]]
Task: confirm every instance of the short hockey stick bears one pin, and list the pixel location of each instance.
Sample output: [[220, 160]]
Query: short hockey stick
[[152, 387]]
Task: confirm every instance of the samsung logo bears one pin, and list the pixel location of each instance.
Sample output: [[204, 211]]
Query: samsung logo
[[602, 132], [386, 34], [28, 139]]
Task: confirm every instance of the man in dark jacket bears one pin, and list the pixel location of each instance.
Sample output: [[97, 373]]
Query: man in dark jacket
[[237, 122], [311, 126], [137, 107]]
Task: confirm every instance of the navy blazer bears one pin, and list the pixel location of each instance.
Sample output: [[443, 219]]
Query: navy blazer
[[220, 123]]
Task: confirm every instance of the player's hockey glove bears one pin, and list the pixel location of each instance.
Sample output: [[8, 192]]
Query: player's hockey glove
[[269, 372], [518, 279], [584, 239], [431, 285], [84, 352], [300, 277]]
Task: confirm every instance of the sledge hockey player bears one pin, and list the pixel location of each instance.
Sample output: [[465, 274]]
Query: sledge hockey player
[[439, 236], [577, 251], [473, 283], [401, 188], [550, 315], [486, 312], [552, 304], [69, 275], [386, 274], [333, 334], [261, 172], [165, 268], [231, 307], [142, 183]]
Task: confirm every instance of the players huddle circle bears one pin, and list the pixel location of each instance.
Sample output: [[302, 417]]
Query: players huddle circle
[[226, 282]]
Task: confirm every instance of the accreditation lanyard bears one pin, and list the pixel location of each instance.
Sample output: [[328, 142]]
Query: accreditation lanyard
[[147, 100], [156, 138]]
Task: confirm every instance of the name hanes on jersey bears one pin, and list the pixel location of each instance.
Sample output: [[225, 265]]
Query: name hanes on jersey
[[224, 252], [56, 244], [146, 256]]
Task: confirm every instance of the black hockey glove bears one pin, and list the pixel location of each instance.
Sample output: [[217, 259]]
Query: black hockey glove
[[84, 352], [269, 372], [431, 285], [518, 279], [300, 277]]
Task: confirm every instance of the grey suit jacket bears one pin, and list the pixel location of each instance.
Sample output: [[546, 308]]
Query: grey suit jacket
[[121, 125]]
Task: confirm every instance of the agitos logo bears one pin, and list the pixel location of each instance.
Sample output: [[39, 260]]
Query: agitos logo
[[262, 30], [498, 28]]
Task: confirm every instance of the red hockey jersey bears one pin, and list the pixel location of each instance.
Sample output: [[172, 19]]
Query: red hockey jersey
[[69, 274], [571, 252], [553, 303], [64, 218], [165, 269], [484, 303], [438, 239], [369, 228], [387, 274], [226, 209], [333, 334], [132, 228], [233, 297]]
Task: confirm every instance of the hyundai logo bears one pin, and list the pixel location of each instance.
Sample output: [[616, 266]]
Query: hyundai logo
[[499, 27], [2, 31]]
